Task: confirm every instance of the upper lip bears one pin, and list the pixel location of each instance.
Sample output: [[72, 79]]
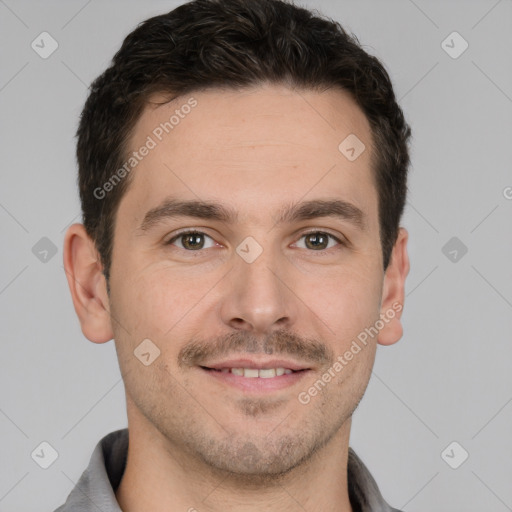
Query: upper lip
[[252, 362]]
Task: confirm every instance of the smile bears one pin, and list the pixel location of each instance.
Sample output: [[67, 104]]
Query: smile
[[251, 373], [255, 380]]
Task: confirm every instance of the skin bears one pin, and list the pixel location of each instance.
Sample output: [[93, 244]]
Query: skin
[[194, 441]]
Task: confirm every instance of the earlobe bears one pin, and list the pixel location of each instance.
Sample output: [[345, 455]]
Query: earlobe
[[87, 284], [393, 291]]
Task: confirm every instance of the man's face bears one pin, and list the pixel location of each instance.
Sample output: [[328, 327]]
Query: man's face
[[250, 292]]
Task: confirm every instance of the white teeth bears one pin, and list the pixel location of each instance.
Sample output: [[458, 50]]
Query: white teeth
[[263, 373]]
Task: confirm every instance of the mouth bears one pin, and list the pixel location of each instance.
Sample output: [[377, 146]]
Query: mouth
[[251, 373], [256, 376]]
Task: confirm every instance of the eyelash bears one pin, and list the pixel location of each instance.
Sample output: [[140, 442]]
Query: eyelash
[[196, 232]]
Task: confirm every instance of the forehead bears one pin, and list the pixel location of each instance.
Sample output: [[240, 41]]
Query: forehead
[[250, 148]]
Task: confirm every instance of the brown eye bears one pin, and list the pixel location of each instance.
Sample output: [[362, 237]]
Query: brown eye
[[318, 240], [190, 240]]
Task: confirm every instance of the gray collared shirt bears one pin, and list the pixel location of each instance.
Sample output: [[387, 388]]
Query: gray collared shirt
[[96, 488]]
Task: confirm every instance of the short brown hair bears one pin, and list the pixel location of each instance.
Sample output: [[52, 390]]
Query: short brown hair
[[234, 44]]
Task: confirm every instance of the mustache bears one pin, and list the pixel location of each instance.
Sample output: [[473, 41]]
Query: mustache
[[281, 342]]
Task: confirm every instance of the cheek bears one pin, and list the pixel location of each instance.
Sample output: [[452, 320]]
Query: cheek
[[348, 301], [159, 302], [354, 375]]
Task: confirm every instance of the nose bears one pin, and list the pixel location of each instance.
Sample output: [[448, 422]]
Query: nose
[[257, 296]]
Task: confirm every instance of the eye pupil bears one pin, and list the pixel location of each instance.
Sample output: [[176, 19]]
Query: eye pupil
[[192, 240], [316, 237]]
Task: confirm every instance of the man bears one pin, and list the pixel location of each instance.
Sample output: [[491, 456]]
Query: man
[[242, 172]]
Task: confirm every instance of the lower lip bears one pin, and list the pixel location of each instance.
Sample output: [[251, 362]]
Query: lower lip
[[257, 384]]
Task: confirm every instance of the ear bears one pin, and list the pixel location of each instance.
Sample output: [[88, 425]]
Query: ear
[[393, 291], [87, 284]]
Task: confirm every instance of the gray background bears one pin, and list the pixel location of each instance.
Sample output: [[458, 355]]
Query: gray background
[[447, 380]]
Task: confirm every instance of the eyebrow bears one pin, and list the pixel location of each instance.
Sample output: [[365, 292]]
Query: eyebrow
[[293, 212]]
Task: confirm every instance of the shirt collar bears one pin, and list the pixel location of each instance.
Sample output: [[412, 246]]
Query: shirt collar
[[95, 490]]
